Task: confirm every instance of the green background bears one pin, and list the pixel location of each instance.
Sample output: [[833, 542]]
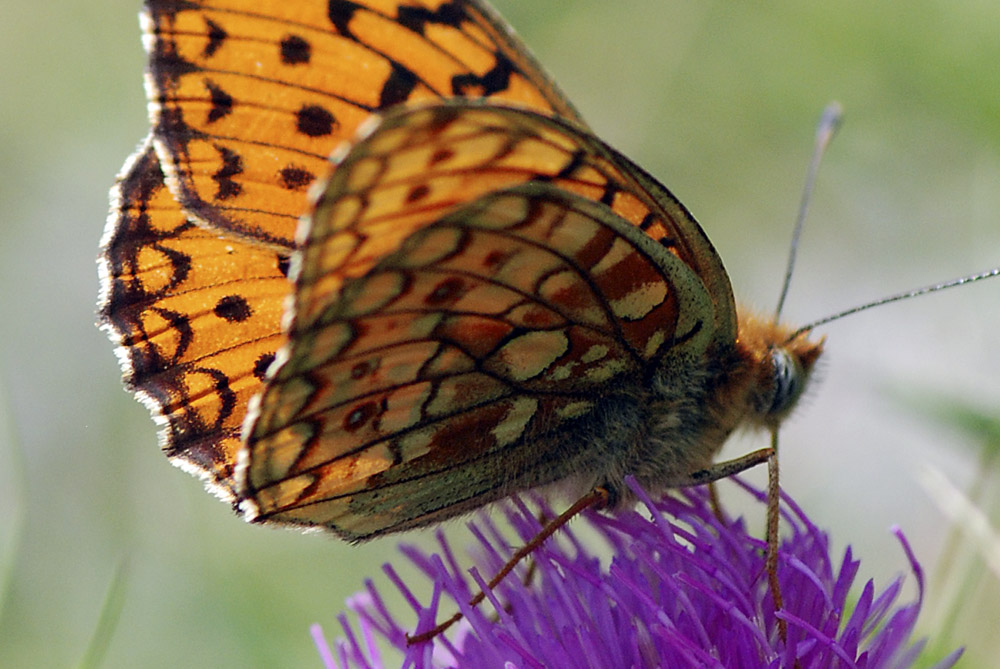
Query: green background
[[719, 100]]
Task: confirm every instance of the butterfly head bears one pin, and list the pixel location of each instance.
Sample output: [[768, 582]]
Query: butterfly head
[[783, 360]]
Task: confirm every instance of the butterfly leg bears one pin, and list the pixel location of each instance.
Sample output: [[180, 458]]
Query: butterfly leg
[[529, 575], [773, 517], [726, 469], [723, 470], [596, 498]]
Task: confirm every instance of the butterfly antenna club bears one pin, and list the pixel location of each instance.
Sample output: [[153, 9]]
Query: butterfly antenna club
[[827, 127]]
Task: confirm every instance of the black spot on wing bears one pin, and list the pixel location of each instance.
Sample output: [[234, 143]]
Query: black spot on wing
[[222, 102], [495, 80], [417, 193], [284, 262], [261, 365], [315, 121], [232, 165], [295, 50], [418, 18], [216, 37], [398, 86], [295, 178], [340, 13], [233, 308]]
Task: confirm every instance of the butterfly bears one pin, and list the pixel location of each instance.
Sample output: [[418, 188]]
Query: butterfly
[[482, 297]]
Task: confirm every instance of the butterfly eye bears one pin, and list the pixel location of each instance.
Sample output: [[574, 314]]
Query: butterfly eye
[[788, 379]]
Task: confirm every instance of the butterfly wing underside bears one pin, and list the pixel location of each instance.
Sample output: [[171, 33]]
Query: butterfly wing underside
[[246, 106], [474, 282], [241, 100], [248, 102], [196, 320]]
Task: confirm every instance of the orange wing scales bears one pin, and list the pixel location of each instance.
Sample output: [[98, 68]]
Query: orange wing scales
[[196, 319], [247, 106]]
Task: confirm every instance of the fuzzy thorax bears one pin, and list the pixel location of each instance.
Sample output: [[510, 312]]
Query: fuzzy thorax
[[697, 404]]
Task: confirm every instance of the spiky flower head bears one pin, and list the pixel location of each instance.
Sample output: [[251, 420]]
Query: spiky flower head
[[682, 589]]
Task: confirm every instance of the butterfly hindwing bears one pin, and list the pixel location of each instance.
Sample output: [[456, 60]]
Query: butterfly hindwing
[[474, 348]]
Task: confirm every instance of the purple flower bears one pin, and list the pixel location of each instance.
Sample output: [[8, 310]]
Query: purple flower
[[683, 589]]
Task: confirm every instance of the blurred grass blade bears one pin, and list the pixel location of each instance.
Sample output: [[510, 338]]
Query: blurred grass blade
[[964, 513], [107, 622], [12, 487]]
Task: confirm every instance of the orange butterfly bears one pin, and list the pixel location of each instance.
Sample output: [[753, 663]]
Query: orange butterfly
[[485, 297]]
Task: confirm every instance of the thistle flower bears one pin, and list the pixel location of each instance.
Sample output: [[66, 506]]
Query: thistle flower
[[683, 589]]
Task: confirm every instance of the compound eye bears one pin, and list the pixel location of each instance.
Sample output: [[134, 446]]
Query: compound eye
[[788, 378]]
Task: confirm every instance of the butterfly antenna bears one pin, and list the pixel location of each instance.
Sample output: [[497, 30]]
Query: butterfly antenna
[[825, 130], [972, 278]]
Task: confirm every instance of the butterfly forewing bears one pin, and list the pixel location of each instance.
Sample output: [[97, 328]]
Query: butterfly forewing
[[248, 102], [196, 319], [475, 343]]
